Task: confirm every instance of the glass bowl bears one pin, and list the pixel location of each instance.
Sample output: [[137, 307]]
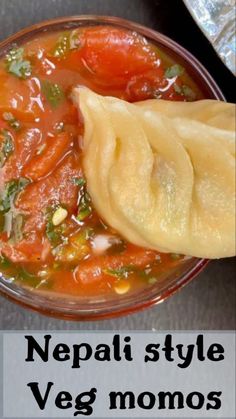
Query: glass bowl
[[102, 307]]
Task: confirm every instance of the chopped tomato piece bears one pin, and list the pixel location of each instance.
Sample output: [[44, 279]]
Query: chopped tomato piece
[[23, 97], [111, 51], [93, 270], [25, 146], [34, 248], [33, 202], [56, 188], [44, 163], [146, 86], [114, 55]]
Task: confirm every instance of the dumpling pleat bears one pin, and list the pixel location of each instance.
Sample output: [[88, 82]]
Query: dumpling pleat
[[162, 174]]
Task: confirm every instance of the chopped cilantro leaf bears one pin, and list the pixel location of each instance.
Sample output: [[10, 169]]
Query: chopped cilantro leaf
[[11, 221], [62, 45], [53, 93], [4, 262], [31, 279], [17, 65], [83, 213], [6, 147], [174, 71], [66, 42], [79, 181], [2, 222], [54, 233], [177, 89], [186, 91], [15, 54], [84, 207], [12, 189], [119, 272]]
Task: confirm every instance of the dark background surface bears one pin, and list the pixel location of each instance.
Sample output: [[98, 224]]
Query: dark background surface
[[209, 301]]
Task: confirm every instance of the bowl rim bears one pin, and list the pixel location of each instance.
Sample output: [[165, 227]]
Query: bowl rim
[[112, 20], [26, 302], [77, 20]]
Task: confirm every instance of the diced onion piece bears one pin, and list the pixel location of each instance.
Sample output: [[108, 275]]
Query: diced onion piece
[[101, 243], [44, 273], [122, 287], [59, 216], [8, 223]]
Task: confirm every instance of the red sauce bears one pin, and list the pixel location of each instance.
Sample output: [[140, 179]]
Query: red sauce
[[41, 160]]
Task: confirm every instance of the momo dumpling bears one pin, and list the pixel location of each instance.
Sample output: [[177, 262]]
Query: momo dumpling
[[99, 147], [211, 112], [163, 181], [193, 214]]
